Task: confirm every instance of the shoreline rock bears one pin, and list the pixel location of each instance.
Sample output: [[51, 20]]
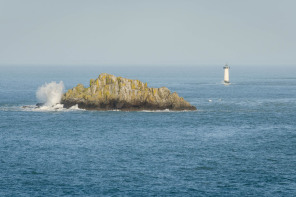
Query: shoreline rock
[[108, 92]]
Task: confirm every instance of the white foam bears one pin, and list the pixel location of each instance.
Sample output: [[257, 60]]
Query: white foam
[[75, 107], [54, 108], [50, 93], [164, 111]]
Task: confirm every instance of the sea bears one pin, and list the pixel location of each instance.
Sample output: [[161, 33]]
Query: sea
[[241, 141]]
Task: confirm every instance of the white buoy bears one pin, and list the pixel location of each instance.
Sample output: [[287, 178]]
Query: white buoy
[[226, 74]]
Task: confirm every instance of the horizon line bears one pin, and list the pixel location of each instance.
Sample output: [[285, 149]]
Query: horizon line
[[152, 65]]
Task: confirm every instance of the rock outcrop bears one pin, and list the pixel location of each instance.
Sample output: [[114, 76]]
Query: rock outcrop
[[108, 92]]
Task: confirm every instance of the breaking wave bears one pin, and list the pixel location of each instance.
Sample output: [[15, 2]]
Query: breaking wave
[[50, 93], [49, 97], [58, 107]]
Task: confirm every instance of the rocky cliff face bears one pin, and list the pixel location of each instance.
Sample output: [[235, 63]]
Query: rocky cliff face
[[108, 92]]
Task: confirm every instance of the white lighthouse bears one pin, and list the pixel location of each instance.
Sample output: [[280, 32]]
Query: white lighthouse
[[226, 74]]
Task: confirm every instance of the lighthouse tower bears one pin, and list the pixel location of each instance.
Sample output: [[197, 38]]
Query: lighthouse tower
[[226, 74]]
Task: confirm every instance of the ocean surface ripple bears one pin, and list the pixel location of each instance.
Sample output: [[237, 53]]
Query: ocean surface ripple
[[240, 142]]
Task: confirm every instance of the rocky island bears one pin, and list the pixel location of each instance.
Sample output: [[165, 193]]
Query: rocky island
[[109, 92]]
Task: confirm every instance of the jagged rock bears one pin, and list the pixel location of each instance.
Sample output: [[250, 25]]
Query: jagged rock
[[108, 92]]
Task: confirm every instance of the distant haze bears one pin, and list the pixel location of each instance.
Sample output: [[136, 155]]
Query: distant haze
[[139, 32]]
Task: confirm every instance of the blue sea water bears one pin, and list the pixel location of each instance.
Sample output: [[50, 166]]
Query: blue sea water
[[240, 142]]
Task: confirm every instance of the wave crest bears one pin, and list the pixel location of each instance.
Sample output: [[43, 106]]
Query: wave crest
[[50, 93]]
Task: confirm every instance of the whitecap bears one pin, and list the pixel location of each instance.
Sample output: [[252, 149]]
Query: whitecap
[[165, 111], [54, 108], [50, 93]]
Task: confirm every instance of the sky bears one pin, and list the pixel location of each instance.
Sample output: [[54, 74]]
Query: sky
[[141, 32]]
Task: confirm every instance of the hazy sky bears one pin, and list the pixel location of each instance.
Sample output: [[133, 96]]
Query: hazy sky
[[147, 32]]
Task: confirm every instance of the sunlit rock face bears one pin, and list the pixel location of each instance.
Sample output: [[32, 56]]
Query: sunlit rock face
[[109, 92]]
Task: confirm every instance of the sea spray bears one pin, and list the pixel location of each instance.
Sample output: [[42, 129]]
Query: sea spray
[[50, 93]]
